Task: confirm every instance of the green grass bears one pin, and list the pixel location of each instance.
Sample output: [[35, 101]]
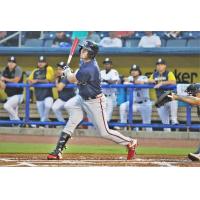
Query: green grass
[[97, 149]]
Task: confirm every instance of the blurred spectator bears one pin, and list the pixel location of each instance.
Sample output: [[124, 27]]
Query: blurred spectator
[[81, 35], [111, 41], [172, 34], [124, 34], [3, 34], [142, 103], [61, 40], [43, 73], [93, 36], [161, 77], [33, 34], [150, 40], [109, 76], [12, 73]]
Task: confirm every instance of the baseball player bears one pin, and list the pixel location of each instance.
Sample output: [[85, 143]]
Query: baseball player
[[194, 99], [44, 96], [162, 77], [91, 100], [12, 73], [64, 94], [142, 101], [109, 76]]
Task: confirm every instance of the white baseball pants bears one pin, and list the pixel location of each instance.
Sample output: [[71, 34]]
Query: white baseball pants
[[96, 109], [12, 104]]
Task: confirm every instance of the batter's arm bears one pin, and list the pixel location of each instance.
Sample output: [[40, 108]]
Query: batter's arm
[[194, 101]]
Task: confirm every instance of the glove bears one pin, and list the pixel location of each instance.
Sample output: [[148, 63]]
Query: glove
[[163, 99], [67, 71]]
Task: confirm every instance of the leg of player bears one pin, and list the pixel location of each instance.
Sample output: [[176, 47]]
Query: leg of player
[[195, 156], [75, 112], [109, 108], [57, 106], [40, 108], [145, 111], [48, 102], [174, 110], [163, 113], [97, 108], [10, 106]]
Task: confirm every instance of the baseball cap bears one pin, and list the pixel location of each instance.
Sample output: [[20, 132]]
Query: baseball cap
[[12, 59], [160, 61], [107, 61], [61, 64], [135, 67], [42, 59]]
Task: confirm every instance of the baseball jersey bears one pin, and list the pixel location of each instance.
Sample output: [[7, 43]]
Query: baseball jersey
[[42, 74], [165, 76], [16, 72], [140, 94], [89, 79], [111, 75], [66, 93]]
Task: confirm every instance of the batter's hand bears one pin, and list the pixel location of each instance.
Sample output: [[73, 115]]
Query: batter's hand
[[67, 71]]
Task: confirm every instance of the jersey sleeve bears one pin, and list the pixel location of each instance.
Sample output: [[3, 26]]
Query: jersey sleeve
[[18, 72], [82, 76], [115, 76], [50, 74], [151, 77], [171, 76], [31, 75]]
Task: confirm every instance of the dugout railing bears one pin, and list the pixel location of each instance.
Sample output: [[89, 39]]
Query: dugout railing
[[130, 123]]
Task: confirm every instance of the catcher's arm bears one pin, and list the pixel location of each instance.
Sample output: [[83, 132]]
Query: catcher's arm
[[194, 101]]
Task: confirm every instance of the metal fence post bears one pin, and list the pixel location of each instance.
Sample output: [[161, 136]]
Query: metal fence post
[[188, 116], [130, 110], [27, 108]]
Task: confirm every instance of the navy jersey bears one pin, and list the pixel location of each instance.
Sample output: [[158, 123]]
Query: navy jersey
[[89, 79], [66, 93]]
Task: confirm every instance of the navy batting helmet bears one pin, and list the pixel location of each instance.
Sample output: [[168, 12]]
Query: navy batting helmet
[[61, 64], [91, 46], [193, 89]]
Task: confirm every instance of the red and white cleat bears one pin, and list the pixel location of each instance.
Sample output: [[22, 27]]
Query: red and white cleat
[[54, 156], [131, 149]]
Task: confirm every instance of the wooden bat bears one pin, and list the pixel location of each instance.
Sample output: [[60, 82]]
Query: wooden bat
[[72, 50]]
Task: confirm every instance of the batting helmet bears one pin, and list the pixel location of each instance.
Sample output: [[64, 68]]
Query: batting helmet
[[91, 46], [61, 64], [136, 68], [193, 89]]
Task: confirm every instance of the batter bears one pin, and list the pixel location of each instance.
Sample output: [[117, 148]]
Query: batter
[[91, 100]]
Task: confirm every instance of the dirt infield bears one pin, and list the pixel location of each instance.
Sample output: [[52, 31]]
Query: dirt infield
[[86, 160], [91, 160]]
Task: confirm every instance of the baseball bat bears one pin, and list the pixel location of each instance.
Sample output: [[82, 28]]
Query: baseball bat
[[72, 50]]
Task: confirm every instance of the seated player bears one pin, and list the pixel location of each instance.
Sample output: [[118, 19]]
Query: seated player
[[64, 94], [12, 73], [44, 96], [141, 102]]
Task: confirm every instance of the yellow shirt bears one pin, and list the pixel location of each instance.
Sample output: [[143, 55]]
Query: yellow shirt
[[171, 77], [49, 74]]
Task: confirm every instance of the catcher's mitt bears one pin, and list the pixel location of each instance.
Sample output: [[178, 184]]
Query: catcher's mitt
[[163, 99]]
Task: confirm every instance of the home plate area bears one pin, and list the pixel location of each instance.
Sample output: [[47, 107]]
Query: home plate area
[[92, 160]]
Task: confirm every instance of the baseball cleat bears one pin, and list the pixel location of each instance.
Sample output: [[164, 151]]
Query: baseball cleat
[[194, 157], [131, 149], [54, 156]]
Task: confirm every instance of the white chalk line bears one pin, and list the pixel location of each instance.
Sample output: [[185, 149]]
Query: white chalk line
[[93, 162]]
